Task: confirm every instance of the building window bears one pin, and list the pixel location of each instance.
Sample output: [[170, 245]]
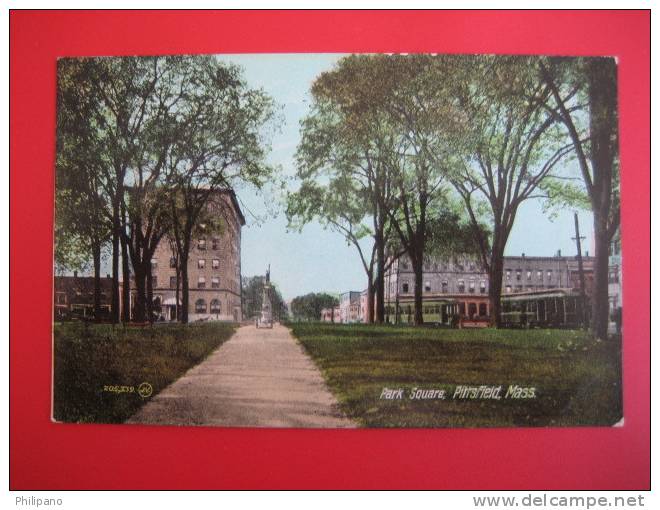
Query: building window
[[405, 288], [529, 275], [518, 275], [215, 264], [201, 282], [508, 274], [483, 309], [549, 274], [482, 287], [215, 282], [154, 282], [461, 286], [172, 262], [471, 286], [201, 244], [460, 267], [201, 264], [427, 286], [200, 306], [154, 264], [173, 282], [215, 306], [404, 265], [539, 275], [508, 289], [215, 243], [444, 287], [61, 298]]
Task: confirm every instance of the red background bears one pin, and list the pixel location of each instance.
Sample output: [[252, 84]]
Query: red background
[[53, 456]]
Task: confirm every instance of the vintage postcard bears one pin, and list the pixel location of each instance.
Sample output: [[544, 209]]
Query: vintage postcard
[[337, 241]]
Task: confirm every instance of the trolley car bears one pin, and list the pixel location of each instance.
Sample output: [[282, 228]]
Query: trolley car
[[556, 308]]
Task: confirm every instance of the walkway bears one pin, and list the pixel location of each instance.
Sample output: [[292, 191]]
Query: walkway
[[258, 378]]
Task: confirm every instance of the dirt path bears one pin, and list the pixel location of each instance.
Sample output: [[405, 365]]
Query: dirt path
[[258, 378]]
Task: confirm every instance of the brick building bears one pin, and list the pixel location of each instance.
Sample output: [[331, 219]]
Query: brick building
[[331, 314], [349, 307], [464, 282], [214, 267], [74, 297]]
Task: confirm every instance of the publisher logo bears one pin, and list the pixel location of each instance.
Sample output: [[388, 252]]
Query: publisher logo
[[145, 390]]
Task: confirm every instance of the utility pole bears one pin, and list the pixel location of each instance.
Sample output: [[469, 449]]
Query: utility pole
[[578, 240]]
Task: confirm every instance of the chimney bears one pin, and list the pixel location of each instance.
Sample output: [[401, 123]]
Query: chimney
[[558, 253], [523, 255]]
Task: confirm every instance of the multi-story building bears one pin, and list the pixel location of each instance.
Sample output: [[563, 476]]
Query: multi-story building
[[540, 273], [74, 297], [349, 307], [214, 266], [460, 284], [331, 314]]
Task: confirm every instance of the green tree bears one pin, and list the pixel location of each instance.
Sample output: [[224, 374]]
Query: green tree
[[342, 165], [168, 132], [596, 145], [253, 288], [421, 115], [82, 228], [507, 144], [309, 306], [112, 95], [221, 142]]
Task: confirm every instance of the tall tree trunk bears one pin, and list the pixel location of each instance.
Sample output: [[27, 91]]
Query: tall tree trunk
[[380, 279], [603, 129], [116, 230], [126, 277], [150, 292], [185, 294], [140, 294], [496, 269], [417, 262], [369, 316], [599, 298], [96, 255], [177, 307]]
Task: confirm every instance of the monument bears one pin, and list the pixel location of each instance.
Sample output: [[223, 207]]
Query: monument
[[265, 319]]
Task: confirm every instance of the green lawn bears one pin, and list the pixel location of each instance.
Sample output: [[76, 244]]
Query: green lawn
[[96, 366], [576, 381]]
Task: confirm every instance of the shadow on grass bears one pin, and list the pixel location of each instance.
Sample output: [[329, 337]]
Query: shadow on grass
[[99, 368], [577, 381]]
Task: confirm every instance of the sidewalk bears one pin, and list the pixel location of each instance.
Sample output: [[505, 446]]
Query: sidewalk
[[258, 378]]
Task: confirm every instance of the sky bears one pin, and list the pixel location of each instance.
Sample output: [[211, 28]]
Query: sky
[[315, 259]]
